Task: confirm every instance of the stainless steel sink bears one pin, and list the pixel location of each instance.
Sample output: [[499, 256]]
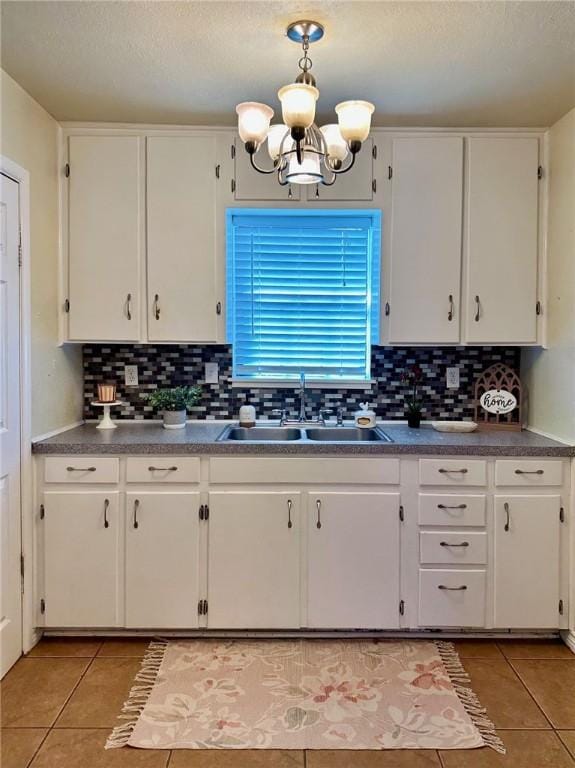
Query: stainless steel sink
[[260, 434], [347, 435]]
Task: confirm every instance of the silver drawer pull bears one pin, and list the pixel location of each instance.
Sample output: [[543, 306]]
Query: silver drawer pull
[[162, 469], [106, 506], [507, 520], [135, 520], [289, 506], [156, 307], [80, 469], [318, 508], [462, 588], [448, 544], [452, 506], [451, 307], [450, 471], [529, 471]]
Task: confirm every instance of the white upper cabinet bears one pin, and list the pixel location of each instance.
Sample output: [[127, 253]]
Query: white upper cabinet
[[356, 184], [501, 240], [248, 184], [105, 237], [425, 260], [181, 207]]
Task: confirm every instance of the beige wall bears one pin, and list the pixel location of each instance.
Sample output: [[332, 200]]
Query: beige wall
[[29, 137], [550, 373]]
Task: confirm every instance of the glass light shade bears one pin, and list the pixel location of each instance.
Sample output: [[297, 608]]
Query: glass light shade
[[276, 134], [253, 121], [336, 144], [354, 118], [306, 172], [298, 104]]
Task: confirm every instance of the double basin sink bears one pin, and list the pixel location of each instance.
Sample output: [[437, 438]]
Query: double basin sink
[[304, 433]]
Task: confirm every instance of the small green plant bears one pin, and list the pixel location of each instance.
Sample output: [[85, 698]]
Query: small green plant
[[176, 399]]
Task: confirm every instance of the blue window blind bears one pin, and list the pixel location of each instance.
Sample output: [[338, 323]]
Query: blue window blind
[[303, 292]]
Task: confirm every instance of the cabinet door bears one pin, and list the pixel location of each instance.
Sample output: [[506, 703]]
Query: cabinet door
[[104, 237], [251, 185], [356, 184], [253, 560], [527, 561], [427, 189], [181, 204], [353, 560], [501, 240], [162, 575], [81, 559]]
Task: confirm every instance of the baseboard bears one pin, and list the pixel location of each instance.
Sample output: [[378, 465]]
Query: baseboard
[[569, 639], [58, 431]]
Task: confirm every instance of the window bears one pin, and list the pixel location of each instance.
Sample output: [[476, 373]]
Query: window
[[303, 293]]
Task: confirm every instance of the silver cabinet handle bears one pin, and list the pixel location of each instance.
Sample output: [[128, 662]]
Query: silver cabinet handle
[[318, 507], [463, 471], [449, 544], [529, 471], [452, 506], [462, 588], [135, 523], [289, 506], [162, 469], [451, 308], [106, 505], [477, 309], [156, 308], [80, 469], [507, 518], [129, 306]]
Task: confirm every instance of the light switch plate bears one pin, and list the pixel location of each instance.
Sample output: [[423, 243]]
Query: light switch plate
[[211, 373], [131, 375], [452, 378]]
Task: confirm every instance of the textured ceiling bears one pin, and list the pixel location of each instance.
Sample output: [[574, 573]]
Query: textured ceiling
[[422, 63]]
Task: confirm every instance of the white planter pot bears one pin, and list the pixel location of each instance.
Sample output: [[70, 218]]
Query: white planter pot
[[174, 419]]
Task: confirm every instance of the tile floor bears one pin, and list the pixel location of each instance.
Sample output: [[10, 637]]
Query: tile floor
[[60, 703]]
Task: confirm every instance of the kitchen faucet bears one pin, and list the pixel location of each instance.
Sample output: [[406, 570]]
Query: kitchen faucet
[[302, 396]]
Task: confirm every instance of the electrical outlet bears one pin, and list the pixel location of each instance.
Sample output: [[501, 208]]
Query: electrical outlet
[[131, 375], [452, 378], [211, 373]]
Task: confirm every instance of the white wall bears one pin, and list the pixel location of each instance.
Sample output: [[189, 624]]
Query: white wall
[[29, 137], [550, 373]]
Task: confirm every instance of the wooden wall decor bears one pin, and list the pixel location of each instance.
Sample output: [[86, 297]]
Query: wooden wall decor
[[496, 391]]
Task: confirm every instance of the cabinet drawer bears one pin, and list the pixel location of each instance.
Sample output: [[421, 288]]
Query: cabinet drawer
[[450, 547], [452, 472], [530, 472], [448, 509], [449, 598], [163, 469], [80, 469], [304, 470]]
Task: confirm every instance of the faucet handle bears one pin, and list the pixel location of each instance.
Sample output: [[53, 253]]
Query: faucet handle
[[282, 413], [339, 414], [323, 412]]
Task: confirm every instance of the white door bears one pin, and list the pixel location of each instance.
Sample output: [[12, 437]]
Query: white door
[[501, 240], [253, 560], [162, 558], [355, 184], [182, 259], [353, 560], [427, 190], [81, 545], [10, 519], [527, 561], [105, 237], [248, 184]]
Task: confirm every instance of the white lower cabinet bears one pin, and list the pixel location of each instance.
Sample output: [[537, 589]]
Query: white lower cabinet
[[162, 560], [527, 561], [81, 558], [254, 560], [353, 560]]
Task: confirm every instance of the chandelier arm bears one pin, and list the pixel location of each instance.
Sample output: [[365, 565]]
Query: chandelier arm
[[347, 168], [263, 170]]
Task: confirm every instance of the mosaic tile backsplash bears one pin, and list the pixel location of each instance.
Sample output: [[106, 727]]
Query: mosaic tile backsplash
[[178, 365]]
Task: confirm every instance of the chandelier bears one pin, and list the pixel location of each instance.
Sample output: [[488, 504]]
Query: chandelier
[[301, 152]]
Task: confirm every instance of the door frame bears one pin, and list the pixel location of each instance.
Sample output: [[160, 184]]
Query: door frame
[[19, 174]]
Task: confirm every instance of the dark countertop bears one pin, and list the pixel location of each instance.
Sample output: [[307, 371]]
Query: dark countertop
[[200, 438]]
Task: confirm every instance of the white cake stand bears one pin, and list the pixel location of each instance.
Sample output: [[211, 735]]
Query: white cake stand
[[106, 420]]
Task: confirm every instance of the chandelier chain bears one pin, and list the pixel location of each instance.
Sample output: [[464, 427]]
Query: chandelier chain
[[305, 63]]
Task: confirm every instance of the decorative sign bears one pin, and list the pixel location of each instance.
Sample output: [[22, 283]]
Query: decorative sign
[[498, 401]]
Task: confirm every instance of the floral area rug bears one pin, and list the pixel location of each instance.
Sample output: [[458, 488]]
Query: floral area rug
[[303, 694]]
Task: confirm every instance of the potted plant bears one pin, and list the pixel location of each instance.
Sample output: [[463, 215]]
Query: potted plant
[[412, 377], [173, 404]]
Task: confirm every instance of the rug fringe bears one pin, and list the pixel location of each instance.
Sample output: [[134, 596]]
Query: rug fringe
[[139, 694], [471, 704]]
